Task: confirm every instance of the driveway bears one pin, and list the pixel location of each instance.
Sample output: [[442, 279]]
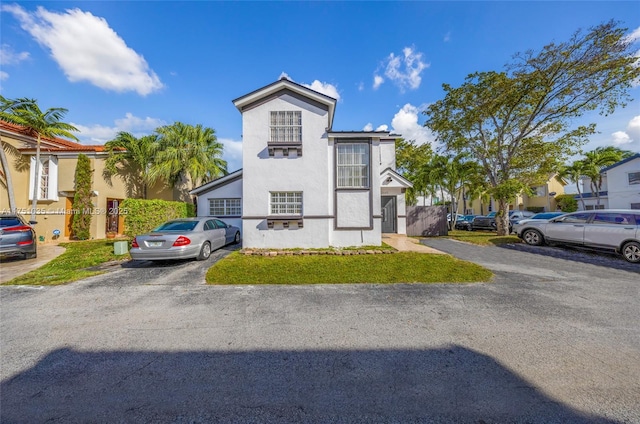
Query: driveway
[[551, 340]]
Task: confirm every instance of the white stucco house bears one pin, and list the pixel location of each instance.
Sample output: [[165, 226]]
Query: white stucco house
[[302, 183], [620, 186]]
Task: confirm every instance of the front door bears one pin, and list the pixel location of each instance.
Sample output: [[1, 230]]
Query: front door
[[389, 216]]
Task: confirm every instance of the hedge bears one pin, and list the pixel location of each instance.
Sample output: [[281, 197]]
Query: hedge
[[567, 203], [142, 216]]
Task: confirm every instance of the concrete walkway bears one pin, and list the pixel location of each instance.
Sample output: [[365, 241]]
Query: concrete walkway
[[12, 267], [407, 244]]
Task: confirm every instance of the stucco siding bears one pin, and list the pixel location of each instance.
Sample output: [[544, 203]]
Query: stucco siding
[[621, 194]]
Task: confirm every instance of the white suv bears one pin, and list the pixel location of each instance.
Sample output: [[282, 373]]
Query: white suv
[[610, 229]]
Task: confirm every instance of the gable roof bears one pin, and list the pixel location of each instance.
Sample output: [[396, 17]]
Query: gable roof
[[394, 176], [285, 84], [218, 182], [623, 161]]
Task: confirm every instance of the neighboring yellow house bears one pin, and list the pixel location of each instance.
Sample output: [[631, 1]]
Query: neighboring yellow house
[[543, 196], [58, 159]]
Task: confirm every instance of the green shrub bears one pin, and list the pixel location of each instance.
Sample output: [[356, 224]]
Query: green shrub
[[567, 203], [535, 209], [144, 215], [81, 221]]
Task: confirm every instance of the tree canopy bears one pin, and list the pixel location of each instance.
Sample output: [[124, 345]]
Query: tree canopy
[[519, 124]]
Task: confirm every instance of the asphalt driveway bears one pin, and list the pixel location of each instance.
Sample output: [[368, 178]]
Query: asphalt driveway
[[550, 340]]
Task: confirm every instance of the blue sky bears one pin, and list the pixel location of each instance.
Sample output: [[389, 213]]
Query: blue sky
[[133, 66]]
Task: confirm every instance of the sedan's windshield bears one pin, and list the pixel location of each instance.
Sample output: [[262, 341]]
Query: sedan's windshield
[[177, 226]]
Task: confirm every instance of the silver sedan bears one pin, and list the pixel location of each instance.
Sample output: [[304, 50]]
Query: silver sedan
[[184, 238]]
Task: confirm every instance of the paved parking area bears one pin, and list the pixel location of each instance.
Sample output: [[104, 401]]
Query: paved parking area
[[550, 340]]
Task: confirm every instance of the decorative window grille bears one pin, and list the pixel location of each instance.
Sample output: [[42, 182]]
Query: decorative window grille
[[225, 207], [44, 181], [286, 203], [286, 126], [353, 165]]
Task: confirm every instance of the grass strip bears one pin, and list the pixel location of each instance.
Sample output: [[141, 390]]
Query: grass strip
[[483, 238], [404, 267], [72, 264]]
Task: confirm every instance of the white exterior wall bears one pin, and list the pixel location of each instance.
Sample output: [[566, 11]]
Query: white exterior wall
[[232, 190], [387, 156], [310, 174], [621, 193]]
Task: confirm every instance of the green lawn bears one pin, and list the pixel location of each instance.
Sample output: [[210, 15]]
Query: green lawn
[[72, 264], [484, 238], [404, 267]]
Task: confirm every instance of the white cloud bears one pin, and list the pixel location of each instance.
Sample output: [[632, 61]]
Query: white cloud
[[634, 36], [368, 127], [360, 86], [324, 88], [232, 153], [620, 138], [377, 81], [100, 134], [405, 122], [383, 127], [9, 57], [630, 138], [87, 49], [404, 70], [447, 37], [3, 76]]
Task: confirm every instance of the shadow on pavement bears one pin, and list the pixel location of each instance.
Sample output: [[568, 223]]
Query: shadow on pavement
[[600, 258], [449, 384]]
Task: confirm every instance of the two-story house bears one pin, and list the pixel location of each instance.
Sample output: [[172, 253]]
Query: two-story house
[[620, 187], [303, 184]]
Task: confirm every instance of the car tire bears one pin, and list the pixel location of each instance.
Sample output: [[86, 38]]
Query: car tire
[[533, 237], [236, 238], [205, 252], [631, 252]]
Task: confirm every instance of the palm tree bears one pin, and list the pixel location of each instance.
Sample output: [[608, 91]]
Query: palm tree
[[573, 172], [7, 114], [132, 156], [595, 161], [187, 149], [42, 124]]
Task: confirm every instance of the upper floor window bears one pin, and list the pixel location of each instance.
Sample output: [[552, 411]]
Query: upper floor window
[[225, 207], [44, 181], [286, 203], [353, 165], [634, 178], [286, 126]]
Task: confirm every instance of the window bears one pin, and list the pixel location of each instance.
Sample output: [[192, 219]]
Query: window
[[286, 203], [635, 206], [614, 218], [353, 165], [286, 127], [593, 207], [634, 178], [225, 207], [574, 218], [44, 181]]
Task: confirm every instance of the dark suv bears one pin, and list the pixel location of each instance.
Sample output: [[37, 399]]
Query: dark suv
[[17, 237], [488, 222]]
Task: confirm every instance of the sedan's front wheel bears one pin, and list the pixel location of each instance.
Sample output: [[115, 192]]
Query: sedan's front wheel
[[236, 239], [205, 252], [532, 237], [631, 252]]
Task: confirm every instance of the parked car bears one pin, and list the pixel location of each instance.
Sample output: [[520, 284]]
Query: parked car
[[518, 223], [612, 229], [17, 237], [464, 223], [488, 222], [184, 238]]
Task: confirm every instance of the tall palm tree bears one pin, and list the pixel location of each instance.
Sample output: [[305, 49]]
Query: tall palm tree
[[187, 149], [595, 161], [133, 157], [573, 172], [42, 124], [7, 114]]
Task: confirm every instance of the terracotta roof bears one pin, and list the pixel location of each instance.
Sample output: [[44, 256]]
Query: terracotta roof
[[50, 144]]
